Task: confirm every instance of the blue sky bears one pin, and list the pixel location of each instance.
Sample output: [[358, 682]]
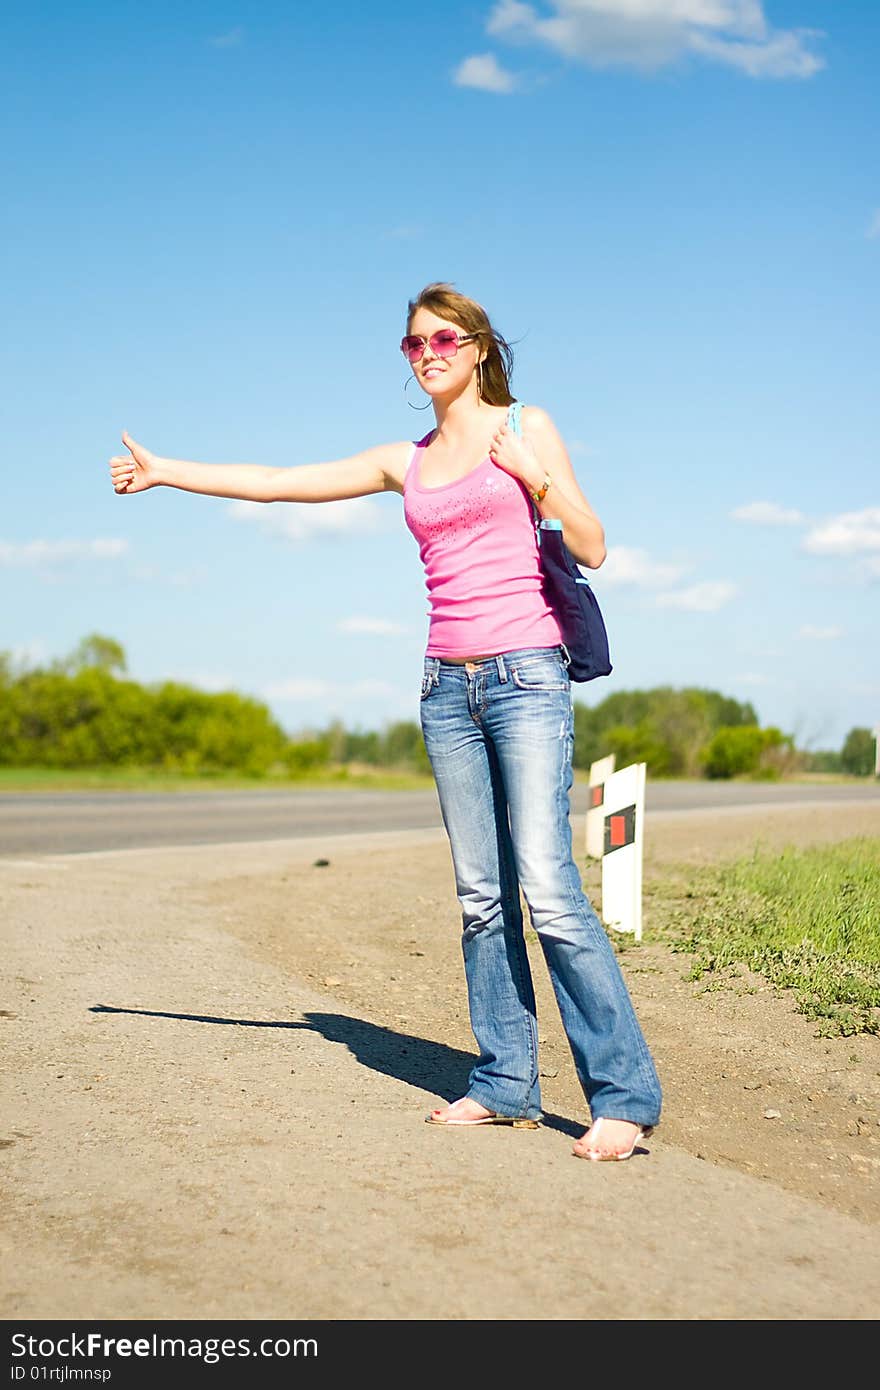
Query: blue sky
[[213, 217]]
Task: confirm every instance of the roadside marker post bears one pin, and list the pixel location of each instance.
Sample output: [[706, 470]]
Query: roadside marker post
[[600, 771], [624, 816]]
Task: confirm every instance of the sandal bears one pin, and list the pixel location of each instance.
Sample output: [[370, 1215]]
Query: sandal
[[620, 1156], [515, 1121]]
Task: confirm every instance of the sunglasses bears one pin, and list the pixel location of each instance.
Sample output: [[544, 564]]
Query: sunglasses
[[444, 343]]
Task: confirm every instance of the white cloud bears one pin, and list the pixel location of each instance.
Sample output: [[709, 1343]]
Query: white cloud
[[820, 634], [706, 597], [651, 34], [510, 15], [59, 552], [484, 72], [371, 627], [871, 566], [768, 514], [307, 521], [754, 678], [874, 227], [850, 533], [777, 55], [627, 565]]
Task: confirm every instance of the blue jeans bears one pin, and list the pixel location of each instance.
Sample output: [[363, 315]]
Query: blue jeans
[[499, 734]]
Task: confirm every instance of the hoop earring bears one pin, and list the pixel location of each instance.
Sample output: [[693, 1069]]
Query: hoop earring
[[410, 378], [480, 380]]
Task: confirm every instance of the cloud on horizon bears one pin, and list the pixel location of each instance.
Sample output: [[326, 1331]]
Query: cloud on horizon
[[628, 565], [42, 552], [298, 522], [311, 688], [705, 597], [849, 533], [768, 514], [371, 627]]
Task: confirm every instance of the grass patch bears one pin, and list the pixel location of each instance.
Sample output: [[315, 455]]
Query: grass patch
[[806, 919], [47, 779]]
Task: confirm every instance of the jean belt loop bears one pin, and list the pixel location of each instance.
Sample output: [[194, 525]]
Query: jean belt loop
[[435, 670], [502, 669]]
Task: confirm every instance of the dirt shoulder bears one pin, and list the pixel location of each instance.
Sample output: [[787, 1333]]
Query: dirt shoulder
[[221, 1057], [725, 1054]]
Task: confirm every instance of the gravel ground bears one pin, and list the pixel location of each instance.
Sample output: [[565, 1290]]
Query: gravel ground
[[219, 1059]]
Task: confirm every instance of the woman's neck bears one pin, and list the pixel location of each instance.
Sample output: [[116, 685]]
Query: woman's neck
[[458, 419]]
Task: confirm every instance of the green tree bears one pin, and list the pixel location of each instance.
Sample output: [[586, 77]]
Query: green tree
[[744, 750], [95, 650], [823, 760], [302, 756], [405, 747], [78, 713], [79, 720], [640, 743], [363, 747], [857, 754], [668, 728], [193, 731]]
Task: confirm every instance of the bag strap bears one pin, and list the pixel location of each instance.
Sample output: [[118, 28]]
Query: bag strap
[[514, 411]]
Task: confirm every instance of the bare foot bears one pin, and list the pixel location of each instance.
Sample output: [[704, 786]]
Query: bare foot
[[609, 1140], [463, 1112]]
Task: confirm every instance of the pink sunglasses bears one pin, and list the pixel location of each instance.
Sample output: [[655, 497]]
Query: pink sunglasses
[[444, 343]]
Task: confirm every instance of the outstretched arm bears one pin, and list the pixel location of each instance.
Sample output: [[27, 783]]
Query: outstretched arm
[[375, 470]]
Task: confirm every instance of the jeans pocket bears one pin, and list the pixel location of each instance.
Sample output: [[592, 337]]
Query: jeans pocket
[[540, 673]]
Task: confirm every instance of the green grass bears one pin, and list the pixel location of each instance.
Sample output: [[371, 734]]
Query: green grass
[[807, 920], [47, 779]]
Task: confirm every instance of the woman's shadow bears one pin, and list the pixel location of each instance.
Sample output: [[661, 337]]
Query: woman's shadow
[[429, 1066]]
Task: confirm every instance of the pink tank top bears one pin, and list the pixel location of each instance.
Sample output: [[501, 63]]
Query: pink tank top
[[477, 542]]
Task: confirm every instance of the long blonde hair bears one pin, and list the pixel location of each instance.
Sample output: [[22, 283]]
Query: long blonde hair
[[446, 302]]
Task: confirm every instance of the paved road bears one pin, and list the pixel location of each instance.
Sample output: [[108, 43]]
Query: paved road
[[74, 822]]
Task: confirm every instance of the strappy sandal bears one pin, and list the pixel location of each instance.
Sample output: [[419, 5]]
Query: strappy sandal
[[596, 1156]]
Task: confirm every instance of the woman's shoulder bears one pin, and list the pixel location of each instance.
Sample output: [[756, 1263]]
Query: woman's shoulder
[[536, 417], [538, 424], [392, 460]]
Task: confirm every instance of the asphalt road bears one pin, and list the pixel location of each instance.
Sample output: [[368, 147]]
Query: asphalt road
[[74, 822]]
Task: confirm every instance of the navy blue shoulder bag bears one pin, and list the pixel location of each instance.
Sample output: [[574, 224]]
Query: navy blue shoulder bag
[[568, 592]]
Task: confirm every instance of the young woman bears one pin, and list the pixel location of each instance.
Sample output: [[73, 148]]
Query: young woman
[[496, 710]]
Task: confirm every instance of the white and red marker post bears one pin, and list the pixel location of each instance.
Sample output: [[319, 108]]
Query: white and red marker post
[[624, 816], [600, 771]]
